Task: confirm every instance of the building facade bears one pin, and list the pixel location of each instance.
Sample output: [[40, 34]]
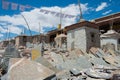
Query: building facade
[[21, 40], [104, 23], [111, 37], [83, 35]]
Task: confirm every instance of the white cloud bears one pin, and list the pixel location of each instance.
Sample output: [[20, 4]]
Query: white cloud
[[3, 30], [34, 17], [1, 35], [14, 29], [3, 24], [102, 6], [106, 12], [11, 29]]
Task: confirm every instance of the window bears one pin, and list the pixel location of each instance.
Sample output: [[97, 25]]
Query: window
[[118, 41], [92, 37], [24, 38]]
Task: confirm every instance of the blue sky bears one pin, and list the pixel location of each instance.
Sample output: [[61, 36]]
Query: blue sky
[[38, 21]]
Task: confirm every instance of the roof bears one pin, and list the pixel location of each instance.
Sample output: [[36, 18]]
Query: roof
[[111, 33], [38, 35], [54, 31], [109, 16], [82, 24], [21, 35], [108, 19], [24, 69]]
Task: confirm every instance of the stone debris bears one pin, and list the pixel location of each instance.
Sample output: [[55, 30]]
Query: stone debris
[[44, 62], [93, 50], [111, 60], [98, 61], [59, 64], [23, 69], [98, 74]]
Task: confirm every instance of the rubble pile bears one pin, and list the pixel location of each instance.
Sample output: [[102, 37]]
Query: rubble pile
[[58, 64], [95, 65]]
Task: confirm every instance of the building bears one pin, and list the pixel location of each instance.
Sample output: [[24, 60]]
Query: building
[[5, 43], [12, 41], [105, 22], [51, 36], [111, 37], [21, 40], [83, 35], [39, 38], [102, 23]]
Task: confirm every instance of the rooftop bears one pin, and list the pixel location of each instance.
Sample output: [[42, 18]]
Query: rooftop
[[81, 24]]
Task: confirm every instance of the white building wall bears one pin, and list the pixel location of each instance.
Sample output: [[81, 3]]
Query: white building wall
[[17, 41], [69, 40], [104, 41], [82, 38], [79, 39]]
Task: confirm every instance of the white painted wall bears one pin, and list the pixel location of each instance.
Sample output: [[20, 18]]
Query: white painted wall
[[104, 41], [82, 39], [17, 41]]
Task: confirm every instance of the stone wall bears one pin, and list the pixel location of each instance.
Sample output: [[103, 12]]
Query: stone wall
[[93, 37], [17, 41], [105, 41], [79, 39], [83, 38]]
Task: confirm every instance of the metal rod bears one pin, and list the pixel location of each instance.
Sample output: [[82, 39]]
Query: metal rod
[[39, 32], [24, 30], [61, 17], [111, 26], [27, 24], [81, 16], [8, 35], [39, 28]]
